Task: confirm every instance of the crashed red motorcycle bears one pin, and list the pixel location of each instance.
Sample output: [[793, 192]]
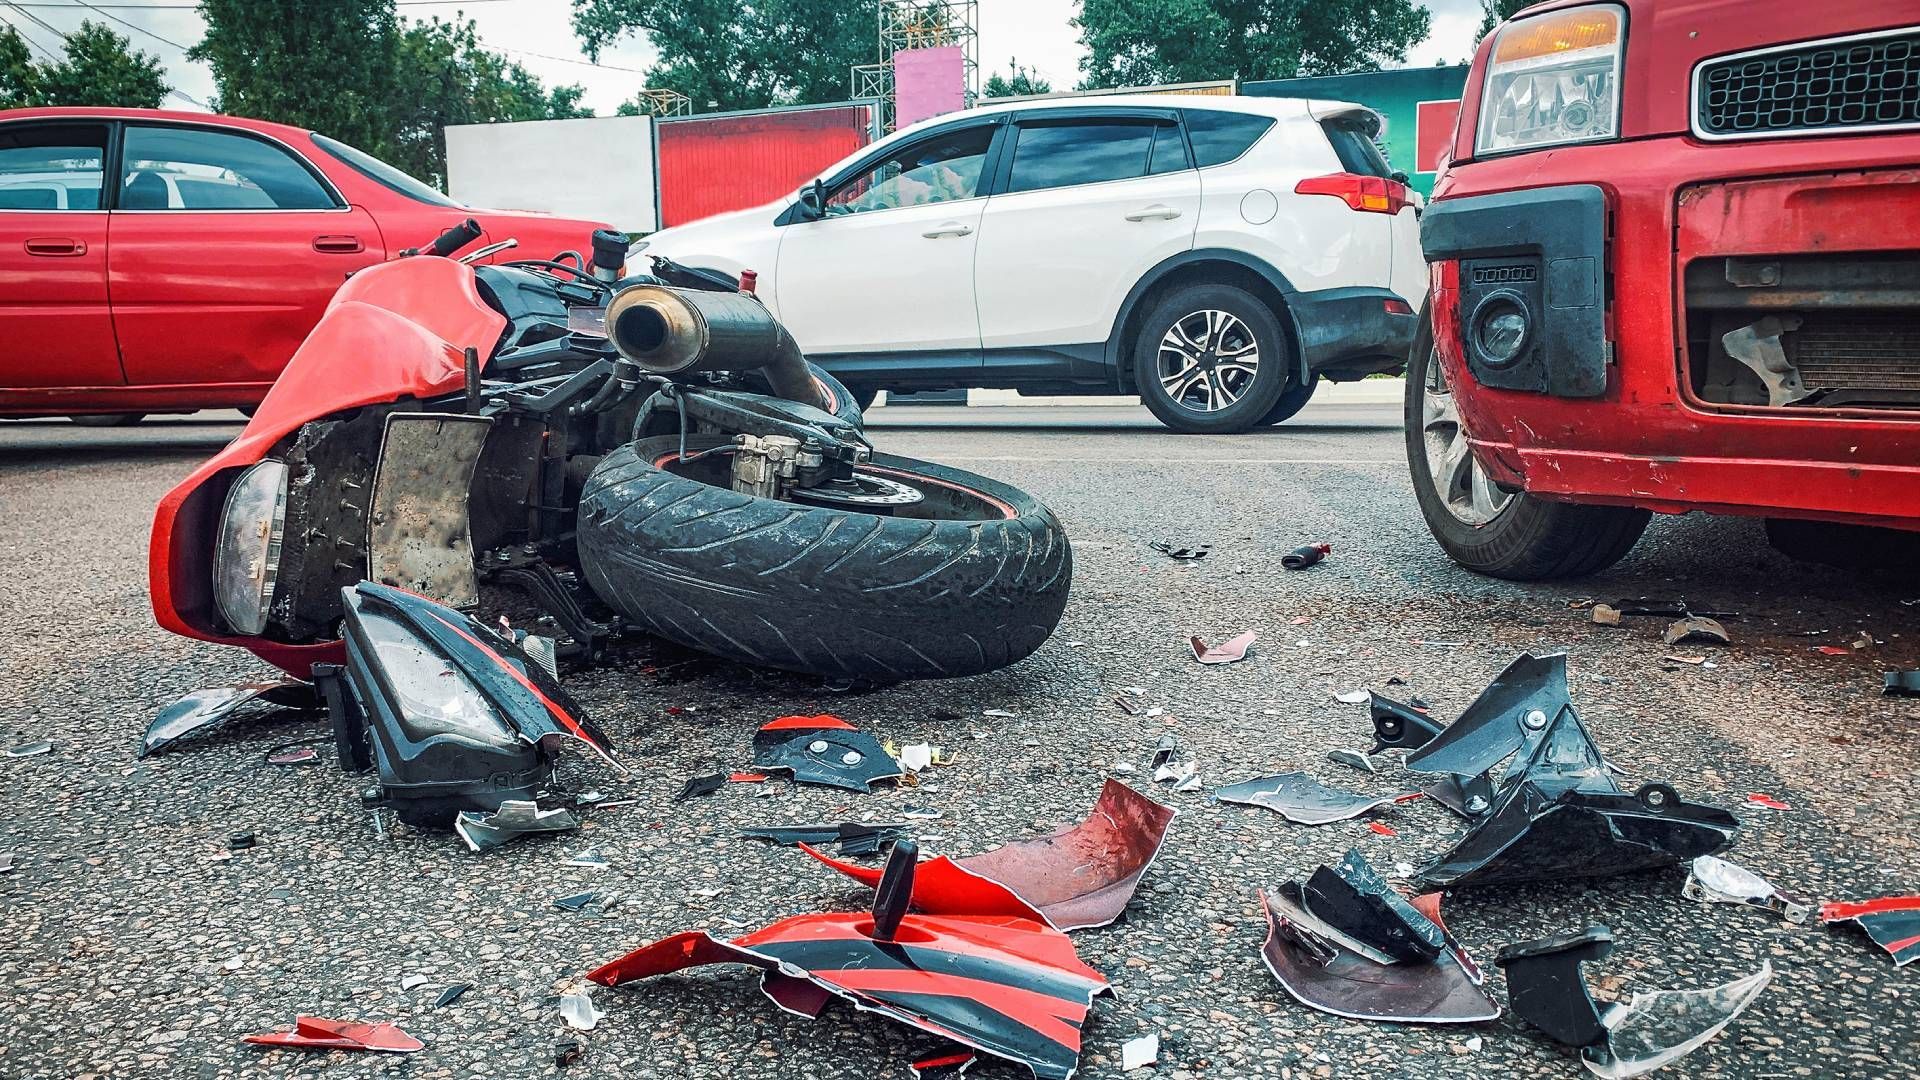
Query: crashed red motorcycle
[[644, 453]]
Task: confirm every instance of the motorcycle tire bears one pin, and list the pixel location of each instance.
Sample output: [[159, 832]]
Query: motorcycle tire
[[971, 579]]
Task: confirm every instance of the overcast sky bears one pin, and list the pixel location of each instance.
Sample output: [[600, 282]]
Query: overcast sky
[[538, 34]]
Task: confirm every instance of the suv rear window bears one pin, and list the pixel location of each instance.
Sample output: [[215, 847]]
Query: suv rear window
[[1219, 137], [1352, 140]]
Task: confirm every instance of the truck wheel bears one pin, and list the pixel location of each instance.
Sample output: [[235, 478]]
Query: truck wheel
[[1487, 530], [974, 582], [1211, 360], [1291, 402]]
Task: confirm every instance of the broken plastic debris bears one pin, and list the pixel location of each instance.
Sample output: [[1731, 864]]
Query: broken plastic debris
[[1697, 628], [1352, 759], [746, 778], [853, 837], [451, 994], [590, 858], [1904, 683], [30, 749], [1000, 984], [942, 1066], [1183, 775], [1381, 828], [919, 757], [1353, 697], [701, 785], [823, 750], [1324, 969], [1400, 725], [1717, 881], [320, 1033], [1164, 750], [1606, 615], [1139, 1053], [205, 709], [1305, 555], [1354, 899], [1652, 1030], [1184, 554], [1234, 648], [1076, 878], [579, 1013], [576, 902], [1764, 801], [6, 862], [1862, 640], [412, 981], [1893, 922], [1303, 800], [568, 1052], [995, 712], [299, 755], [1556, 811], [515, 818]]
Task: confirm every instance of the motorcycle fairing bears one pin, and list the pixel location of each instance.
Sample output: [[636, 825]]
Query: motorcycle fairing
[[1321, 972], [1893, 922], [1077, 878], [205, 709], [1005, 986], [394, 331], [1357, 901], [823, 750], [321, 1033]]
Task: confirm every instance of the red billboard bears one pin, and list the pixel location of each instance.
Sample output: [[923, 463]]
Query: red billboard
[[730, 161]]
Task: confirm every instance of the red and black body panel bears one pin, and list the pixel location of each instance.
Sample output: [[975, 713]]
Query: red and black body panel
[[1893, 922]]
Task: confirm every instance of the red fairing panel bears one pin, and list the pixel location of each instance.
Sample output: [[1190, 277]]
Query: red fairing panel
[[1076, 878], [1009, 987], [393, 331]]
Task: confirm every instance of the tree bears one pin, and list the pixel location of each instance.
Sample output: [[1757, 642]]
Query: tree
[[740, 54], [99, 67], [1145, 42], [1495, 12], [326, 66], [1019, 82]]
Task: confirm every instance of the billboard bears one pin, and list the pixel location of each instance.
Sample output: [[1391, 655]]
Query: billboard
[[927, 83], [600, 168]]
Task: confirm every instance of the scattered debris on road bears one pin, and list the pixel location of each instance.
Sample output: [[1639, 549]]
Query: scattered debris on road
[[851, 837], [1179, 552], [697, 786], [1139, 1053], [514, 819], [1893, 922], [206, 709], [1717, 881], [579, 1013], [1903, 683], [451, 994], [1305, 556], [30, 749], [1227, 652], [320, 1033], [1303, 800], [823, 750], [1696, 629], [1761, 800]]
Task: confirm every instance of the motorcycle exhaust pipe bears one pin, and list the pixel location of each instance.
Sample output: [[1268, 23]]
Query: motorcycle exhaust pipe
[[669, 331]]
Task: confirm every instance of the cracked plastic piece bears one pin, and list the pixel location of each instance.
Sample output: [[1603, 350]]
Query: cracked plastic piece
[[1556, 812], [1893, 922], [943, 1066], [1077, 878], [450, 714], [1398, 726], [1228, 651], [319, 1033], [515, 818], [701, 785], [1716, 881], [205, 709], [823, 750], [1323, 969], [1302, 799], [1004, 986], [1654, 1029], [854, 837], [1357, 901], [1698, 628]]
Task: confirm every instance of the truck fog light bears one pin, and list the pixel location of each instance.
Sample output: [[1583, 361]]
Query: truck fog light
[[1499, 328]]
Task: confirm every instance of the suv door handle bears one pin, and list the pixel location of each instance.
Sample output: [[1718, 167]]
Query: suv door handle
[[55, 246], [1157, 210], [950, 228], [338, 244]]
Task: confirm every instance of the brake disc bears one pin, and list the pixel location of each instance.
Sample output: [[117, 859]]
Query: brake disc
[[861, 491]]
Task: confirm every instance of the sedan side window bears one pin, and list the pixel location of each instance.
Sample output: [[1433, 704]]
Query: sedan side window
[[941, 169], [52, 166], [170, 168], [1061, 155]]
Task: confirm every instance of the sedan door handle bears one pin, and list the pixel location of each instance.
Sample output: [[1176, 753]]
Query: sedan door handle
[[1156, 211], [338, 244], [55, 246], [950, 228]]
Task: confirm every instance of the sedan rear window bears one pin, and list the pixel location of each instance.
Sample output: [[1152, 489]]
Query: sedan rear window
[[1219, 136], [382, 173], [39, 163]]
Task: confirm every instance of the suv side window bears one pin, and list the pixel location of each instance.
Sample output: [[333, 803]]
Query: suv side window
[[1353, 143], [52, 166], [211, 170], [1219, 136], [942, 169], [1169, 151], [1062, 155]]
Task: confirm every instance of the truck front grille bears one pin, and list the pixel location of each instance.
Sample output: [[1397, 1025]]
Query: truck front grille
[[1861, 81]]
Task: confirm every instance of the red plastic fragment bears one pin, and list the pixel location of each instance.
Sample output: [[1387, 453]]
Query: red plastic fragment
[[808, 722], [747, 778], [941, 1066], [1765, 801], [1833, 650], [1383, 830], [1226, 652], [320, 1033]]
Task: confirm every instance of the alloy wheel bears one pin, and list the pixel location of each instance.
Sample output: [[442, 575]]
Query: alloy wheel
[[1207, 360], [1464, 488]]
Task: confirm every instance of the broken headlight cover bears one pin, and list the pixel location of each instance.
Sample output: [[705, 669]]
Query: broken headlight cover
[[246, 554], [431, 693], [1553, 79]]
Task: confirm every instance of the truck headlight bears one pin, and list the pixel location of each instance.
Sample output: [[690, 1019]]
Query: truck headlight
[[246, 557], [1553, 79]]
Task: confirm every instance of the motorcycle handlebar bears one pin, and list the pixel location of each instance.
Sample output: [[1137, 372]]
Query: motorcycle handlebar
[[455, 238]]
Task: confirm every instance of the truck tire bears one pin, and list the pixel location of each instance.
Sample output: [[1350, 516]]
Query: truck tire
[[1489, 531], [1224, 353], [975, 584]]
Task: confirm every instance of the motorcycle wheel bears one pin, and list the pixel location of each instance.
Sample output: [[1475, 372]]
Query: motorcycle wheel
[[970, 579]]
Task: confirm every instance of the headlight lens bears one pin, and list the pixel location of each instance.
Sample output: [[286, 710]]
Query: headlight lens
[[1553, 79], [433, 696], [247, 556]]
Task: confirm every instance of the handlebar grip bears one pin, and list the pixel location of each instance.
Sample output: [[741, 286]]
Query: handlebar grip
[[455, 238]]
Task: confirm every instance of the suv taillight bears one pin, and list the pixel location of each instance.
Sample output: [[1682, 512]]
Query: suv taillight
[[1369, 194]]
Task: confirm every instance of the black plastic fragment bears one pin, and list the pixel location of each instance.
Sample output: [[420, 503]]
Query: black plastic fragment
[[823, 750], [701, 785], [1545, 989], [1903, 683], [451, 994], [895, 891], [1304, 556], [576, 902], [854, 837], [1185, 554], [1354, 899], [1400, 726]]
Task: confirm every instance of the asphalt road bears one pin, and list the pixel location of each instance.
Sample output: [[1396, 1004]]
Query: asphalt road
[[130, 947]]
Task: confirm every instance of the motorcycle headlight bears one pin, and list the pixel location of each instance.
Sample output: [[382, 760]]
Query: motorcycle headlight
[[246, 557], [1553, 79]]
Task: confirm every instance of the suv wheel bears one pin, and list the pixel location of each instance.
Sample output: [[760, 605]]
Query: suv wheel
[[1211, 360], [1483, 528]]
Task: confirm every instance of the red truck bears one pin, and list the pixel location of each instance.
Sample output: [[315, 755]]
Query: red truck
[[1675, 263], [155, 261]]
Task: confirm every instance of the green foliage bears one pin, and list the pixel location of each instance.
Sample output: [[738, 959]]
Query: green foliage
[[1495, 12], [1019, 82], [99, 67], [740, 54], [1148, 42]]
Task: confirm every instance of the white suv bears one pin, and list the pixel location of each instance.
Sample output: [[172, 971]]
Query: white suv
[[1215, 255]]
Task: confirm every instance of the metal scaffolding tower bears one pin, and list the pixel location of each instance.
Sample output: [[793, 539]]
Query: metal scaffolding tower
[[664, 103], [920, 24]]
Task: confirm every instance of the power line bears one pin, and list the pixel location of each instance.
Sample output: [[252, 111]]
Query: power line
[[20, 9], [562, 59], [44, 51], [129, 25]]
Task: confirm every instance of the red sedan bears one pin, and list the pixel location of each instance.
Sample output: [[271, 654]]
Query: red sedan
[[188, 281]]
